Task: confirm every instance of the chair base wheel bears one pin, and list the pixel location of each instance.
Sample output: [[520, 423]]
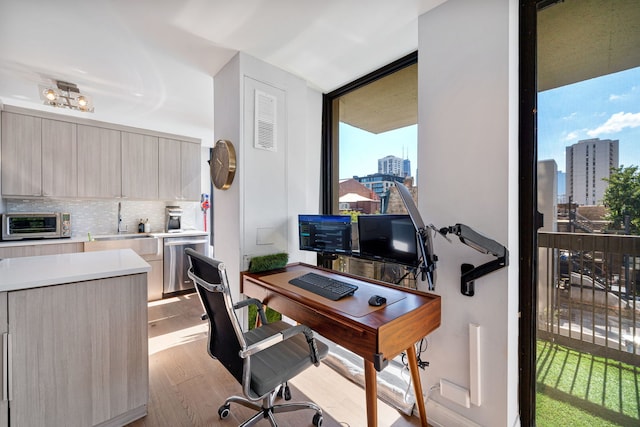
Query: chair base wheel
[[224, 411], [285, 392], [317, 420]]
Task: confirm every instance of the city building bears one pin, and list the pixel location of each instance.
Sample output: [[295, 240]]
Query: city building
[[406, 167], [380, 183], [588, 162], [393, 165], [356, 197]]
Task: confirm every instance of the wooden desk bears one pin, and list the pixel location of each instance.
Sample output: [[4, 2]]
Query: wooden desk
[[378, 334]]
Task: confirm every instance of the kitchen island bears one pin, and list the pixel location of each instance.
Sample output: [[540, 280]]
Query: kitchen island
[[74, 345]]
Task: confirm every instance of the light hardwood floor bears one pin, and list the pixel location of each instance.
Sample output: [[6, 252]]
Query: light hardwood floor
[[187, 386]]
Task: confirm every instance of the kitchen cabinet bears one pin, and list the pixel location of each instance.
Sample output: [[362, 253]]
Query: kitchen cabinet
[[40, 249], [139, 166], [4, 329], [78, 353], [149, 248], [179, 170], [190, 164], [59, 159], [21, 155], [48, 155], [155, 279], [99, 162], [38, 157], [170, 170]]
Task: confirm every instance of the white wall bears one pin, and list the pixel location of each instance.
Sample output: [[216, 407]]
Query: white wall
[[467, 116], [270, 188]]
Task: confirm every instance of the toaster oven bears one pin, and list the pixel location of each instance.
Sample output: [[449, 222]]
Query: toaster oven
[[35, 225]]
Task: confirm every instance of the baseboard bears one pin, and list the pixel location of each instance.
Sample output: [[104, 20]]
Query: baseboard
[[441, 416], [126, 418]]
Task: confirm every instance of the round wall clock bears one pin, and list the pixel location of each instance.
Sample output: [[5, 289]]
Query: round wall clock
[[223, 164]]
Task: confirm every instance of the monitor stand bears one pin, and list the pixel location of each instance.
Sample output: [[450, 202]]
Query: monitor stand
[[428, 263]]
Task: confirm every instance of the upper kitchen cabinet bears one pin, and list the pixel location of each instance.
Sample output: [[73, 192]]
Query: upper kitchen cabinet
[[99, 162], [38, 157], [190, 162], [139, 166], [179, 173], [21, 155], [54, 156], [59, 159]]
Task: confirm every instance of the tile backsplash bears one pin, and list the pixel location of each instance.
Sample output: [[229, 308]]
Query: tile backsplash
[[100, 216]]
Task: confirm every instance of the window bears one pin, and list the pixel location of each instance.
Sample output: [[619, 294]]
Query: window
[[370, 144], [378, 110]]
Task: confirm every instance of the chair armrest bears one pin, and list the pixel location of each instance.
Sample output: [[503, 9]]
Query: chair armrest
[[311, 341], [257, 303], [282, 336]]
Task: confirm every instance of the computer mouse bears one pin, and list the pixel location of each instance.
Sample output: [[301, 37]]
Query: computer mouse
[[377, 300]]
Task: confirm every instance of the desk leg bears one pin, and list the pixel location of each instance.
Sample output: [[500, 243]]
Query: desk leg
[[417, 385], [371, 390]]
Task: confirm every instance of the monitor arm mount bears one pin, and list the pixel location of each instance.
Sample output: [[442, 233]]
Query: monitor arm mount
[[482, 244], [428, 263]]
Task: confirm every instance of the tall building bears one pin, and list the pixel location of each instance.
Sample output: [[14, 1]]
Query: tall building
[[587, 163], [391, 165], [406, 168]]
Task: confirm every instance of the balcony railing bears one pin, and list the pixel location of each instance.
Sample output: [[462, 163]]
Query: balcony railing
[[589, 293]]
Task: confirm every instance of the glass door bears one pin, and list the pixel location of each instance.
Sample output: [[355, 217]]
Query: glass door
[[587, 322]]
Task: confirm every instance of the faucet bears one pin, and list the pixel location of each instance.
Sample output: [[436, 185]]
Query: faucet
[[119, 229]]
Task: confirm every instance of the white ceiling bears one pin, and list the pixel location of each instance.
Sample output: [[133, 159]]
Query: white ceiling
[[149, 63]]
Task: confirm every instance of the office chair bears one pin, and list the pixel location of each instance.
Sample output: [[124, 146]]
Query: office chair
[[262, 360]]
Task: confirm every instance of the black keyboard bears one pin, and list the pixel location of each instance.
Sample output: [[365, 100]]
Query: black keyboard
[[324, 286]]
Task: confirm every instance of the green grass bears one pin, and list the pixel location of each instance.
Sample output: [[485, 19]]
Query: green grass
[[579, 389], [272, 315]]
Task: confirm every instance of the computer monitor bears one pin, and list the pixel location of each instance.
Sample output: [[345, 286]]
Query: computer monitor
[[388, 238], [326, 234]]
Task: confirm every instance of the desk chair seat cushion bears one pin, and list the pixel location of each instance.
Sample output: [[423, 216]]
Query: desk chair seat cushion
[[281, 362]]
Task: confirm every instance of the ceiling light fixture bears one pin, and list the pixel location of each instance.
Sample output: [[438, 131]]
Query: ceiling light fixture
[[66, 95]]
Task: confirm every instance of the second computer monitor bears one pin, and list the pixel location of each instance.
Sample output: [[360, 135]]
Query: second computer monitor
[[390, 238]]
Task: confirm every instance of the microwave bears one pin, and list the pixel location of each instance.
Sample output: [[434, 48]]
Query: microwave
[[35, 225]]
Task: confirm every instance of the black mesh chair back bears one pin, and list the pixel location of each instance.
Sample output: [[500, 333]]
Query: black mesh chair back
[[225, 340]]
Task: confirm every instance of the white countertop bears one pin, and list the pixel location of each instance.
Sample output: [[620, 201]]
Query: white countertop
[[47, 270], [84, 238]]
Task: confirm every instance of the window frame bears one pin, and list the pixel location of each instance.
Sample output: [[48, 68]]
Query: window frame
[[329, 154]]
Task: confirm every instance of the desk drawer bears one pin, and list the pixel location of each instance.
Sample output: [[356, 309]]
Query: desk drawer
[[357, 339]]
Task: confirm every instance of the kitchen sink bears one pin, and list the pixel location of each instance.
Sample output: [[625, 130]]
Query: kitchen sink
[[122, 237]]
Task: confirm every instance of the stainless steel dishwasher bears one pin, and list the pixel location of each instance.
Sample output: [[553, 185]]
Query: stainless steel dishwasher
[[176, 263]]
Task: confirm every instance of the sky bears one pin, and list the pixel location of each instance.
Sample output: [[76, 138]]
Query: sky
[[359, 157], [606, 107]]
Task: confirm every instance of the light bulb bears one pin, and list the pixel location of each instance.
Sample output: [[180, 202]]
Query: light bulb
[[50, 94], [82, 101]]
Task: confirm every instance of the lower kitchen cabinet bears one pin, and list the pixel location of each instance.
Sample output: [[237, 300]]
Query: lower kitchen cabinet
[[150, 249], [40, 249], [78, 354], [155, 282], [4, 403]]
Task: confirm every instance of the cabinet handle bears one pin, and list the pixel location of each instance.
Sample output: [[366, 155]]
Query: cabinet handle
[[7, 368], [185, 242]]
